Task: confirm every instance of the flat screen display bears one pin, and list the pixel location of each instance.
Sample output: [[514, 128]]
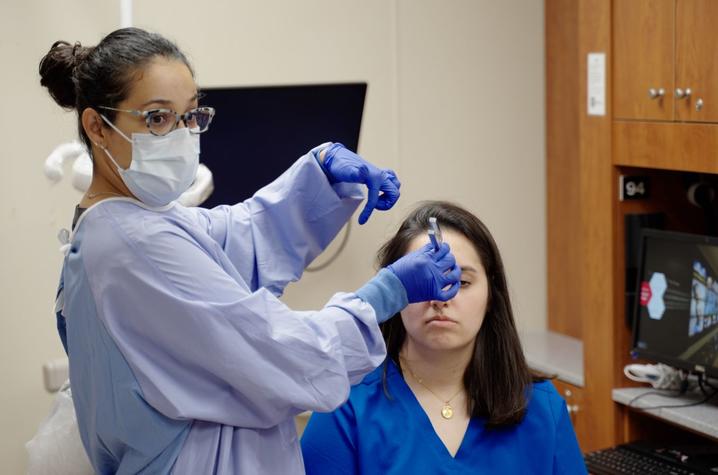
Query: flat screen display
[[676, 316], [259, 132]]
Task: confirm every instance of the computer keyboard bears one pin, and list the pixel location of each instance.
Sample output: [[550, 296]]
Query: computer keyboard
[[636, 460]]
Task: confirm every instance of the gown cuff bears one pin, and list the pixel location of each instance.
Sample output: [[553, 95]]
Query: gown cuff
[[343, 190], [385, 293], [317, 150]]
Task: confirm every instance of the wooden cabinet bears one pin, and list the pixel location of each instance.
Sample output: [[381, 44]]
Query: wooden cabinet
[[649, 44], [643, 59], [697, 60], [665, 60], [665, 70], [666, 146]]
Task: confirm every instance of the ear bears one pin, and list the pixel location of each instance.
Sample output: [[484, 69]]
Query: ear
[[94, 127]]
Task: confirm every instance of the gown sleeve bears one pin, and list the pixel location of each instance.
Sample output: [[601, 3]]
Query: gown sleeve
[[271, 237], [329, 443], [203, 346]]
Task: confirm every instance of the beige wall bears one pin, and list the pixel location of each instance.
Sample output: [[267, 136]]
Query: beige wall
[[455, 105]]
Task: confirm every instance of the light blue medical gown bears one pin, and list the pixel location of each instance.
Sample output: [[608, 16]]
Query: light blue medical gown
[[182, 358]]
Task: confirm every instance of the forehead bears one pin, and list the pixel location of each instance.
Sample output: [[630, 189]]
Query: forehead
[[165, 79], [461, 247]]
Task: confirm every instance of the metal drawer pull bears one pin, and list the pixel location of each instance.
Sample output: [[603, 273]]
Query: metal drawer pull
[[656, 93], [683, 94]]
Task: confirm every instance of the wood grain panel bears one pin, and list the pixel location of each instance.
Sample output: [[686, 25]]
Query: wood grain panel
[[687, 147], [596, 236], [562, 187], [697, 58], [643, 58]]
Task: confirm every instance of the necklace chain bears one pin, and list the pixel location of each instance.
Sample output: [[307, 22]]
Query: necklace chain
[[447, 411]]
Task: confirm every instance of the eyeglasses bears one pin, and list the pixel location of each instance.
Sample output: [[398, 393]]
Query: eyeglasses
[[164, 121]]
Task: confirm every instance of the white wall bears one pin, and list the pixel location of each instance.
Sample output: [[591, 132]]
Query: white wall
[[455, 105]]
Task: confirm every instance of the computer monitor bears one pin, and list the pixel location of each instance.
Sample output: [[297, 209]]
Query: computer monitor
[[676, 314], [258, 132]]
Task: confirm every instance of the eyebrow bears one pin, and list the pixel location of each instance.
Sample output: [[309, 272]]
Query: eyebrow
[[167, 102], [468, 269]]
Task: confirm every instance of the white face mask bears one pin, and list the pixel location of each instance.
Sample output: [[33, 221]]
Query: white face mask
[[162, 167]]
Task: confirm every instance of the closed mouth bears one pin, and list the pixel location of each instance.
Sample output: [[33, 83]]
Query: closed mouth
[[441, 318]]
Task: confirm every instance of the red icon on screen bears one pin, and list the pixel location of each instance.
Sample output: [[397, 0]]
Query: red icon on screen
[[645, 293]]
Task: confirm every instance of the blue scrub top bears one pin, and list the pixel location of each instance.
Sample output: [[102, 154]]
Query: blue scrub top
[[373, 434]]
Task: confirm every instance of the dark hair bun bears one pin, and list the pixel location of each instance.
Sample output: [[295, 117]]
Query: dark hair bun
[[57, 69]]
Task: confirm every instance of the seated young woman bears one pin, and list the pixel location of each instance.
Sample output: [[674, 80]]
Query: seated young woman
[[455, 394]]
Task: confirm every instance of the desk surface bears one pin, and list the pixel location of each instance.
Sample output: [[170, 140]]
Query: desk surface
[[701, 418], [554, 354]]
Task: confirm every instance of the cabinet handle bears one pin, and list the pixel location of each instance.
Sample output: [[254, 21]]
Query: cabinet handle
[[654, 93], [699, 104], [572, 408], [683, 94]]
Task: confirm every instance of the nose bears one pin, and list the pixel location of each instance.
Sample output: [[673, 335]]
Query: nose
[[438, 304]]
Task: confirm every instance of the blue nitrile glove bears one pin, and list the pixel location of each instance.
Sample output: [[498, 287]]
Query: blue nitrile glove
[[425, 272], [344, 166]]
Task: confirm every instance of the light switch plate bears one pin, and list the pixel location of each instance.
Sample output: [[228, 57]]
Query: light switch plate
[[596, 83]]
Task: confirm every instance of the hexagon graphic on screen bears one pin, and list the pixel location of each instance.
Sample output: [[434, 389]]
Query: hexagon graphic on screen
[[656, 307]]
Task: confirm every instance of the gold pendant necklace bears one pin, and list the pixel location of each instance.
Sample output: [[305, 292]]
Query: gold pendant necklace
[[447, 411]]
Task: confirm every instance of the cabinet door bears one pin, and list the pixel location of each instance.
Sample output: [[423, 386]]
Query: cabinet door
[[697, 59], [643, 59]]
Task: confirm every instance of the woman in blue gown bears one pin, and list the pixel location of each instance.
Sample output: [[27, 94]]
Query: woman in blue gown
[[455, 394]]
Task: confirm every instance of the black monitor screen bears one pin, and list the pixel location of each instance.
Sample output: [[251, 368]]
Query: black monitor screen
[[258, 132], [676, 319]]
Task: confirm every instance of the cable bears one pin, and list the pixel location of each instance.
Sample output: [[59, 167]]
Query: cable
[[681, 392], [664, 406], [334, 257], [661, 393]]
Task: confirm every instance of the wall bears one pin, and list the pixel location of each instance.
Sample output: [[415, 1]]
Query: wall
[[455, 105]]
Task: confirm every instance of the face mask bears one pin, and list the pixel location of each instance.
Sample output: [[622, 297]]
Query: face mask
[[162, 167]]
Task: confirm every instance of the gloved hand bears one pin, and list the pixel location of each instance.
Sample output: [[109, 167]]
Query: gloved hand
[[425, 272], [344, 166]]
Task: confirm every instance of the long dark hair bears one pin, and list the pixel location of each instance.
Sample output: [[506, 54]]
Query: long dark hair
[[78, 76], [497, 380]]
